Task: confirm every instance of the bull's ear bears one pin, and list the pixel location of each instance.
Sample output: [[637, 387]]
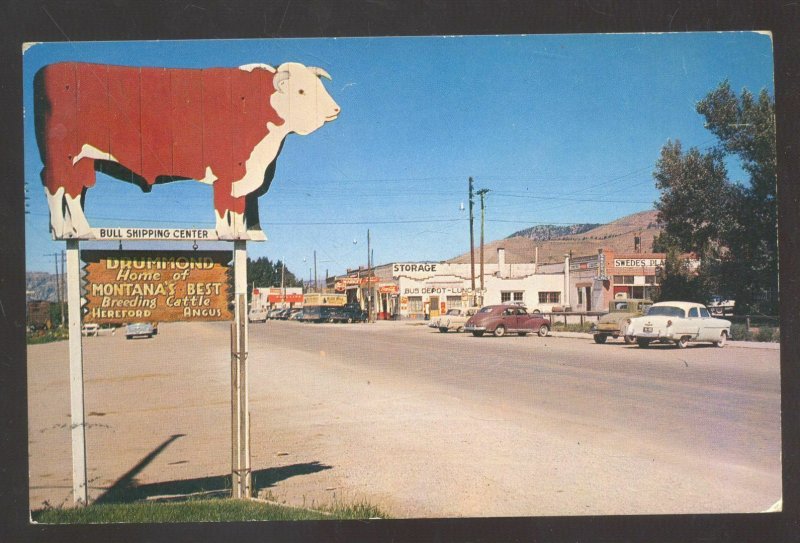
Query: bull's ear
[[251, 67], [280, 77]]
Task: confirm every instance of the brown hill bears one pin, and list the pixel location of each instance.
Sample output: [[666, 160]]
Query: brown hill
[[617, 235]]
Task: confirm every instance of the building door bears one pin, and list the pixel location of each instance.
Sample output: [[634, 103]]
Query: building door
[[434, 306], [588, 296]]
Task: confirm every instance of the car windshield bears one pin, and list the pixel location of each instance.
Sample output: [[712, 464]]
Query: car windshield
[[666, 310], [620, 306], [487, 309], [454, 312]]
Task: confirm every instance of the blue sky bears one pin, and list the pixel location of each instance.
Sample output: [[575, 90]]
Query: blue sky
[[560, 128]]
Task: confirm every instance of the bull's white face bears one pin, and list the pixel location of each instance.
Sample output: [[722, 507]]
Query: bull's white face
[[301, 99]]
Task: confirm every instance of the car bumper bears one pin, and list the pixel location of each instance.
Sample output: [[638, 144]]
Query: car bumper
[[657, 334], [475, 328]]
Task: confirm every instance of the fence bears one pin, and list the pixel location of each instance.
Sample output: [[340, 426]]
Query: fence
[[572, 317]]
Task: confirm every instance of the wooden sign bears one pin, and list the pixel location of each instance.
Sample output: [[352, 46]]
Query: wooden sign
[[156, 286]]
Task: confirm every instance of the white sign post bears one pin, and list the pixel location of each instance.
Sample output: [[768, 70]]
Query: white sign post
[[77, 408]]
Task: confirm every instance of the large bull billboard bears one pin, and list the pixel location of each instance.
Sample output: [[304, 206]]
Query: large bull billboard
[[224, 127]]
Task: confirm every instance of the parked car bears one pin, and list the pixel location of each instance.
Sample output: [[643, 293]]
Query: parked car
[[349, 313], [296, 315], [455, 319], [257, 314], [615, 322], [139, 329], [318, 313], [506, 318], [273, 313], [720, 305], [679, 323]]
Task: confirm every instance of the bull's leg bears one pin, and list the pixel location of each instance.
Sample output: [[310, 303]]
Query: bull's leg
[[254, 231], [55, 201], [229, 212], [80, 226]]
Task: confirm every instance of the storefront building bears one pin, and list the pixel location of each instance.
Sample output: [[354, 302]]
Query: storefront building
[[419, 290]]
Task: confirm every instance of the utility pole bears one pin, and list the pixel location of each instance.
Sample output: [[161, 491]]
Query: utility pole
[[59, 280], [63, 267], [369, 280], [482, 193], [283, 271], [471, 242], [316, 285]]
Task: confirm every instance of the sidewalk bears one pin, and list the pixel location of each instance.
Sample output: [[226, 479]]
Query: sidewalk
[[582, 335]]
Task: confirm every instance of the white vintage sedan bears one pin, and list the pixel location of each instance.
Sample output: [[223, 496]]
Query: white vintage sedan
[[679, 323]]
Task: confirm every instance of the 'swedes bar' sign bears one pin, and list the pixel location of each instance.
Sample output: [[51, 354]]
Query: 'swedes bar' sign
[[156, 286]]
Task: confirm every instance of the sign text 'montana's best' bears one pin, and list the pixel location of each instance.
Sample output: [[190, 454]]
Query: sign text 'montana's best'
[[157, 286]]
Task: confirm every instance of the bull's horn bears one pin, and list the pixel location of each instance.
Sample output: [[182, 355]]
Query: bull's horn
[[319, 72]]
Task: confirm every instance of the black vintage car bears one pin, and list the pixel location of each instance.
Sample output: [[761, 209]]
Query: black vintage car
[[319, 313], [349, 313]]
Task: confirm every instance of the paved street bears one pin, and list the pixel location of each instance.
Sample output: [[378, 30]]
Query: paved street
[[420, 423]]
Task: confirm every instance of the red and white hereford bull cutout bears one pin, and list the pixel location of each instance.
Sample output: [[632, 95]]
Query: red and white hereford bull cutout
[[147, 126]]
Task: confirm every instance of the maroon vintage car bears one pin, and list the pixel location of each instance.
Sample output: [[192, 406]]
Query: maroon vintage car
[[503, 319]]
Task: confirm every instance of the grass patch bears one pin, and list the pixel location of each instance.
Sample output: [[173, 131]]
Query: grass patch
[[767, 334], [199, 510], [47, 336], [572, 327]]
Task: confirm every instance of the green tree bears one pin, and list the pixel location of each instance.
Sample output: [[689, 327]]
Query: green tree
[[262, 272], [730, 226]]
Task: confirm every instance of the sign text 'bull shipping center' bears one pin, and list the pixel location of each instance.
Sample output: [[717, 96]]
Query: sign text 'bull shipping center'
[[579, 284]]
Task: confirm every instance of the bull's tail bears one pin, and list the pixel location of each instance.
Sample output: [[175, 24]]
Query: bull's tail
[[41, 109]]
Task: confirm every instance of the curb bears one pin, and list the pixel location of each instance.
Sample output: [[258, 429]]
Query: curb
[[739, 344]]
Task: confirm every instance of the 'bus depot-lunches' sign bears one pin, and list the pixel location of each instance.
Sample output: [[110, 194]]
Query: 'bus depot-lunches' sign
[[157, 286]]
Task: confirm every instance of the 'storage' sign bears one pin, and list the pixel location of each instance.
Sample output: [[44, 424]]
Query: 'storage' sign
[[157, 286]]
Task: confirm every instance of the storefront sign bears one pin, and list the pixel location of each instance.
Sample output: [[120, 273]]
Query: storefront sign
[[638, 262], [389, 289], [156, 286], [432, 290], [414, 269], [347, 281]]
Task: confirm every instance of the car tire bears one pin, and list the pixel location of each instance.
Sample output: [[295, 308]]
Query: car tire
[[683, 342], [543, 329], [443, 329], [460, 329], [349, 320], [477, 334], [643, 343], [600, 338], [723, 338], [128, 337], [500, 331], [629, 340]]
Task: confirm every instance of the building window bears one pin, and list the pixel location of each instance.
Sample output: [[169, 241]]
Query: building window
[[580, 296], [549, 297], [415, 304], [508, 296], [453, 302], [650, 279]]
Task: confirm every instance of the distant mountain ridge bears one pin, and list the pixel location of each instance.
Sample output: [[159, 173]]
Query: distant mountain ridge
[[42, 286], [544, 232], [629, 234]]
